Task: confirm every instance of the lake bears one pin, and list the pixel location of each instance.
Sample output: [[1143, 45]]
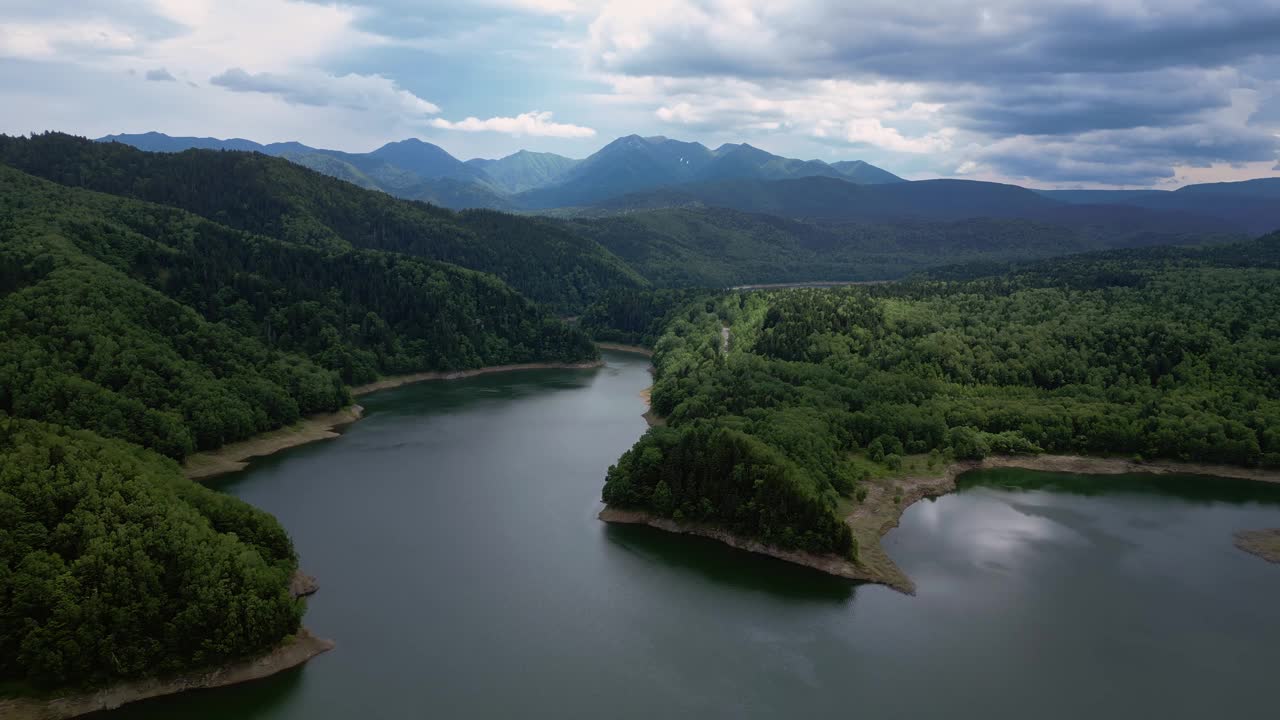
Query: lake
[[463, 573]]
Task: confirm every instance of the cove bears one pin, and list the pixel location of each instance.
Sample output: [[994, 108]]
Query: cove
[[463, 573]]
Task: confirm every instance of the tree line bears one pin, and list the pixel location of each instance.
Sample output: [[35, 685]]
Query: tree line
[[1151, 354]]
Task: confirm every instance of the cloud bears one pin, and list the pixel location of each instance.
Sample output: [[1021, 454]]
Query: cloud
[[1050, 89], [838, 112], [47, 40], [947, 39], [317, 89], [534, 123], [160, 75], [1141, 156]]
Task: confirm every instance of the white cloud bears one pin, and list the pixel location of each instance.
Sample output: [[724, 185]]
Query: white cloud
[[1055, 90], [351, 91], [535, 123], [879, 114], [48, 40]]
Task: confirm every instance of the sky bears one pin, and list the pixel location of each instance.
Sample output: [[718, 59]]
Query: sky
[[1045, 93]]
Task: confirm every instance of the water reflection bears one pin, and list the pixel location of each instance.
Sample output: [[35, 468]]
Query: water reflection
[[248, 701], [726, 566], [1184, 487]]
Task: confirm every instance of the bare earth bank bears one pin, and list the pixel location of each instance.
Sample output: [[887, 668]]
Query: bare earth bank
[[1263, 543], [882, 509], [638, 349], [398, 380], [235, 456], [289, 654]]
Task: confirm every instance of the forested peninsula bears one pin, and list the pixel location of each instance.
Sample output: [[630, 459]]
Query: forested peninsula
[[788, 414], [138, 333]]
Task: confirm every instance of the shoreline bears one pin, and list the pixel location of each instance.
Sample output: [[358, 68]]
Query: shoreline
[[830, 564], [1263, 543], [395, 381], [291, 653], [236, 456], [620, 347], [878, 513]]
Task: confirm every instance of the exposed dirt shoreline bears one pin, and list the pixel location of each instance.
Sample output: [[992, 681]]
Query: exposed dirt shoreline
[[638, 349], [289, 654], [399, 380], [236, 456], [882, 509], [230, 458], [1263, 543]]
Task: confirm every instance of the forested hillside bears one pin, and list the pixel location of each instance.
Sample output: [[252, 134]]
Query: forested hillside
[[274, 197], [134, 331], [721, 247], [112, 565], [1159, 353], [98, 289]]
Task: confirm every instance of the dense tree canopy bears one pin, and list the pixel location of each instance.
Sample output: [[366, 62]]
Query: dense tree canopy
[[134, 331], [113, 566], [149, 324], [276, 198], [1158, 353], [719, 247]]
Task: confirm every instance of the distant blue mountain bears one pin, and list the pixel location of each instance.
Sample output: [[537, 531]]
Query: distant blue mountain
[[636, 164], [417, 169], [1251, 204]]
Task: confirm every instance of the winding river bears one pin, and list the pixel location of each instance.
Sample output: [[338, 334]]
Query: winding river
[[464, 574]]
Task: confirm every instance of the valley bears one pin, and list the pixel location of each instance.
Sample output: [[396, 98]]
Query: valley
[[685, 359], [825, 355]]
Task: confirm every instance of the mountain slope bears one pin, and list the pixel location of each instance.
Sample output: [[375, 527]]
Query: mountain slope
[[864, 173], [1251, 204], [624, 165], [356, 313], [274, 197], [134, 331], [637, 164], [425, 160], [719, 247], [159, 142], [533, 181], [835, 199], [1258, 187], [524, 170]]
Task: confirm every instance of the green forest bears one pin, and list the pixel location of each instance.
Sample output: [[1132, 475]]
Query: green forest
[[136, 334], [112, 565], [156, 305], [720, 247], [1161, 353], [269, 196]]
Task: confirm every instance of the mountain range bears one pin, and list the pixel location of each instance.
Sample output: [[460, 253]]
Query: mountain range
[[417, 170]]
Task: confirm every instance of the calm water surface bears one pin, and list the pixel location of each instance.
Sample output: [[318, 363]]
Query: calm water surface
[[464, 574]]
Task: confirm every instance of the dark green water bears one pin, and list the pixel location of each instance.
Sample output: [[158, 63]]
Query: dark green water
[[463, 574]]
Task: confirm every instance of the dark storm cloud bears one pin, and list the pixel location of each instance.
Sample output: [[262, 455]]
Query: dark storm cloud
[[1141, 156], [1074, 103], [1061, 90], [940, 41]]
